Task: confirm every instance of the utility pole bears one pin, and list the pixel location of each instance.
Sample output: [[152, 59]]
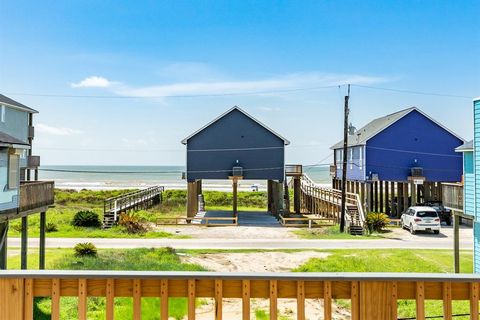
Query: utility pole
[[344, 164]]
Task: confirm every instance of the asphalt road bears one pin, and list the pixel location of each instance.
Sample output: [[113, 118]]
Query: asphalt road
[[413, 243]]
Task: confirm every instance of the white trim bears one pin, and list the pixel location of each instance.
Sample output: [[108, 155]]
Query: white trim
[[2, 112], [184, 141], [24, 109]]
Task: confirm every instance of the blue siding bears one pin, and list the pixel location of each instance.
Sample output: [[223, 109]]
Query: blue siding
[[468, 183], [235, 132], [476, 163], [476, 247], [413, 141]]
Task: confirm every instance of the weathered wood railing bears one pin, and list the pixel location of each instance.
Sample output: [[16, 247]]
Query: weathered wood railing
[[36, 194], [373, 296], [139, 199], [326, 202], [452, 195], [198, 221]]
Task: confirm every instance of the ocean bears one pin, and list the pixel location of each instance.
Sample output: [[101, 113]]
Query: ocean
[[133, 177]]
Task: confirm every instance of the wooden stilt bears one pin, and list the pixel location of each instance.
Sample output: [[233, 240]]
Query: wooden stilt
[[3, 244], [405, 196], [380, 204], [41, 250], [376, 196], [387, 202], [24, 243], [399, 198]]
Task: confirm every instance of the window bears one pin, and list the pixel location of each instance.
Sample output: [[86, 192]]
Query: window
[[13, 171], [339, 158], [351, 158], [2, 113], [360, 158]]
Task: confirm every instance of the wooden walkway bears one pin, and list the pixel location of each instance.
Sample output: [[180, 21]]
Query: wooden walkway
[[325, 203], [141, 199]]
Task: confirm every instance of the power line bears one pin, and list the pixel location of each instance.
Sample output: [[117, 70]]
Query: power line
[[416, 152], [48, 95], [414, 92]]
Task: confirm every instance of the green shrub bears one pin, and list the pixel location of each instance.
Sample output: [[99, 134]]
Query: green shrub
[[86, 249], [51, 227], [16, 226], [377, 221], [86, 219], [131, 223]]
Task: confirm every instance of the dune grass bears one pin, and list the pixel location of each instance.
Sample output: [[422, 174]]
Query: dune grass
[[68, 202]]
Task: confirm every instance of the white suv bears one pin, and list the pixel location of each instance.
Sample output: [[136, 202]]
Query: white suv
[[421, 219]]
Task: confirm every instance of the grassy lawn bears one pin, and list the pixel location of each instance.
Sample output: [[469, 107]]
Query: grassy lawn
[[69, 202], [134, 259], [429, 261], [333, 232]]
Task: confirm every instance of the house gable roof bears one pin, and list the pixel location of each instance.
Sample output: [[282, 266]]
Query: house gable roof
[[16, 105], [374, 127], [467, 146], [184, 141]]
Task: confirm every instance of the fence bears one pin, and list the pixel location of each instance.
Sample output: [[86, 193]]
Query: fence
[[372, 296]]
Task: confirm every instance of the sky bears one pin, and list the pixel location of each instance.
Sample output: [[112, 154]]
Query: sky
[[123, 82]]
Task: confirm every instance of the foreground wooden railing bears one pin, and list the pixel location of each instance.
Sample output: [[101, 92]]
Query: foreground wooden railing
[[372, 296]]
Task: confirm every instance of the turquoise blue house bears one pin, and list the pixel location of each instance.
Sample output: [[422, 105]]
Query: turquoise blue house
[[475, 200]]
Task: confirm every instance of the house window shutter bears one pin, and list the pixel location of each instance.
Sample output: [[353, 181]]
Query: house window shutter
[[13, 171]]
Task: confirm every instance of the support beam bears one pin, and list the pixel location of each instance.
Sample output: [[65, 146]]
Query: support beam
[[296, 194], [3, 244], [456, 243], [235, 196], [24, 243], [192, 201], [270, 195], [41, 251]]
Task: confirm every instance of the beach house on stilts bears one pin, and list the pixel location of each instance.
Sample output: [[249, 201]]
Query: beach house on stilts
[[235, 146], [398, 160], [21, 194]]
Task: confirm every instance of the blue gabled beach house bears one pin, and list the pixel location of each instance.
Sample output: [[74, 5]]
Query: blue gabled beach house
[[398, 160]]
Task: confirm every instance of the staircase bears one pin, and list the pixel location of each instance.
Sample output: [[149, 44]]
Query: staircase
[[355, 224], [108, 220]]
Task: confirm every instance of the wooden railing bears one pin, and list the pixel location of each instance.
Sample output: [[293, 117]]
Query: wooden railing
[[326, 202], [198, 221], [372, 296], [306, 221], [36, 194], [452, 196], [132, 200]]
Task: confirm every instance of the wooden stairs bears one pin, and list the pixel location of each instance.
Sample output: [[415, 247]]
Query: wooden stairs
[[355, 227]]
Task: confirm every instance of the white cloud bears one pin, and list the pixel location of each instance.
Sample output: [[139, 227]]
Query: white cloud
[[93, 82], [58, 131], [267, 86]]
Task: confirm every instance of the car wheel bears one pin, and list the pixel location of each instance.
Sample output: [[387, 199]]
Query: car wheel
[[411, 229], [436, 231]]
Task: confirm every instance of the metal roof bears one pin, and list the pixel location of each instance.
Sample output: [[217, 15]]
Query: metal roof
[[467, 146], [184, 141], [376, 126], [17, 105], [7, 140]]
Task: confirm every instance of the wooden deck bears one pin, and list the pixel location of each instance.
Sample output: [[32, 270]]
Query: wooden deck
[[372, 296]]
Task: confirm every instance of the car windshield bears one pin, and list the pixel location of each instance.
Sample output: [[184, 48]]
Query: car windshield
[[426, 214]]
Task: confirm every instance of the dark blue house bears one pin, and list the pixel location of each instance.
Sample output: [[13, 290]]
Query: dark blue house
[[235, 139], [389, 147], [235, 146]]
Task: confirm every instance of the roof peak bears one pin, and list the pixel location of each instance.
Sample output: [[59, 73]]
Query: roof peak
[[15, 104], [235, 107]]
